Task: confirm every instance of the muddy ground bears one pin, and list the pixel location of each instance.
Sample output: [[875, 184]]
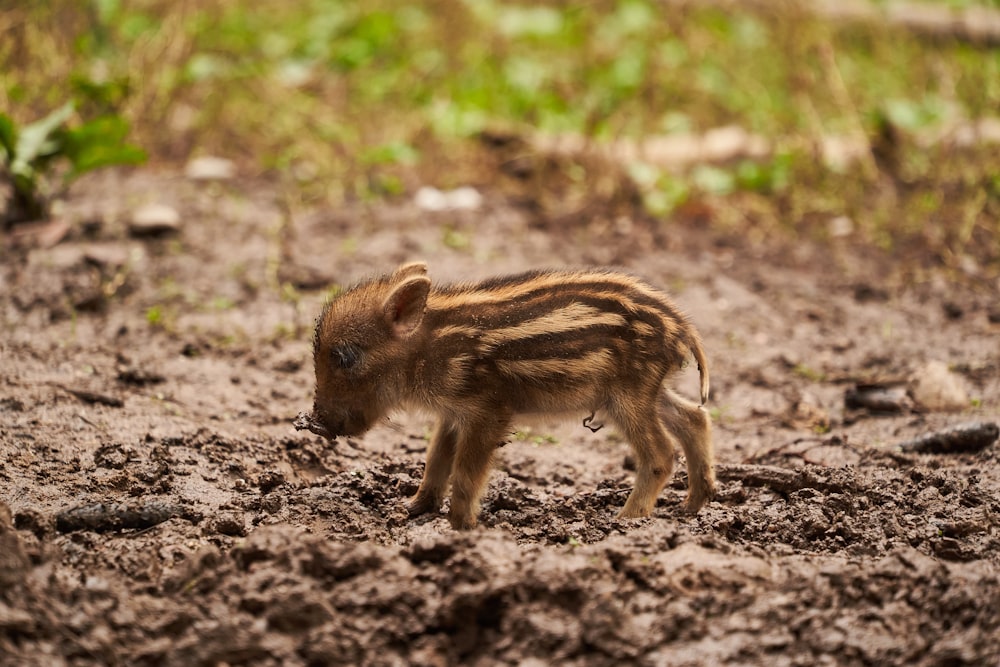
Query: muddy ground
[[159, 509]]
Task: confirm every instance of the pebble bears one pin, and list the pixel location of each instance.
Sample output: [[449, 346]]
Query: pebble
[[952, 310], [230, 524], [840, 227], [269, 480], [210, 168], [935, 387], [41, 234], [107, 255], [460, 199], [154, 220]]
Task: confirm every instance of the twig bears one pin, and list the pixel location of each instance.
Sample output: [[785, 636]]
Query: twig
[[960, 439], [783, 480], [92, 397], [105, 517]]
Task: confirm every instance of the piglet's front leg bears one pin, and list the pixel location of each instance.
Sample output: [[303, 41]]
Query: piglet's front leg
[[440, 458], [476, 444]]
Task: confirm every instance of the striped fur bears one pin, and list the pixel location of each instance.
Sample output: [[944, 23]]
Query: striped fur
[[478, 354]]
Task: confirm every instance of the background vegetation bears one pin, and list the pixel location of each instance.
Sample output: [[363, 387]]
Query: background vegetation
[[348, 100]]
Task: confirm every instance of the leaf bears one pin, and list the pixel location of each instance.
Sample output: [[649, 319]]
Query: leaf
[[713, 180], [103, 130], [8, 137], [391, 153], [106, 156], [100, 143], [38, 139], [107, 96]]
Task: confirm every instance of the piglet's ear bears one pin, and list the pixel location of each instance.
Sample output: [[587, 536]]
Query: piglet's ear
[[405, 305], [409, 269]]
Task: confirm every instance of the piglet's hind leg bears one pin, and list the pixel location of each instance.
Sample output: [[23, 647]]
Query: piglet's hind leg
[[654, 455], [693, 428]]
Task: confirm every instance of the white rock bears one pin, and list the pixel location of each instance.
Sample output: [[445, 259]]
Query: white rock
[[935, 387], [466, 199], [840, 226], [111, 256], [430, 199], [210, 168], [840, 152], [724, 143], [154, 220], [461, 199]]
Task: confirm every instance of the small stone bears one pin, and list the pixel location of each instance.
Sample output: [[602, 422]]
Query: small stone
[[210, 168], [64, 257], [112, 457], [111, 256], [840, 227], [461, 199], [935, 387], [272, 503], [952, 310], [465, 199], [95, 584], [878, 398], [155, 220], [430, 199], [865, 293], [41, 234], [269, 480], [230, 524]]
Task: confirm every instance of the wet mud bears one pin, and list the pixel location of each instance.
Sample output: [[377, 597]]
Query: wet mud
[[157, 506]]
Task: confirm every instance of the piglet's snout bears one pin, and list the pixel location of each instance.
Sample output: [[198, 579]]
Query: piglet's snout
[[307, 421], [342, 422]]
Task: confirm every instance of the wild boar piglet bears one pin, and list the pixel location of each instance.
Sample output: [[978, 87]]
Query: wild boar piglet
[[478, 355]]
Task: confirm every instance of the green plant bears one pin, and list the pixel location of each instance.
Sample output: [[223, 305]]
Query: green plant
[[29, 153], [455, 239], [359, 101], [529, 436], [155, 316], [809, 373]]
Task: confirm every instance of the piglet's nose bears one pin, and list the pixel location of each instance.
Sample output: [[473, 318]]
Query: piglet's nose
[[308, 422]]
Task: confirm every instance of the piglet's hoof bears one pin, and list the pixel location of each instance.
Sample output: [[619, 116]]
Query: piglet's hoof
[[459, 522], [306, 422], [422, 505]]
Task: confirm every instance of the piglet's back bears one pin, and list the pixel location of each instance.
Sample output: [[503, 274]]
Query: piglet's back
[[554, 339]]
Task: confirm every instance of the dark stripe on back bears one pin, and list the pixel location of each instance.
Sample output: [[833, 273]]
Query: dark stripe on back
[[563, 345], [537, 303]]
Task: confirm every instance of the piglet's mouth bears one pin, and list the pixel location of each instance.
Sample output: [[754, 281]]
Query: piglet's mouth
[[307, 422]]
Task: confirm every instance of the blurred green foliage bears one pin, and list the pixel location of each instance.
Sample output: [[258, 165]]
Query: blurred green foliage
[[355, 100], [29, 152]]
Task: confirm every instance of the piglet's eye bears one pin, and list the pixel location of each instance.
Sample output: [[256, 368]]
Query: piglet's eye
[[346, 356]]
